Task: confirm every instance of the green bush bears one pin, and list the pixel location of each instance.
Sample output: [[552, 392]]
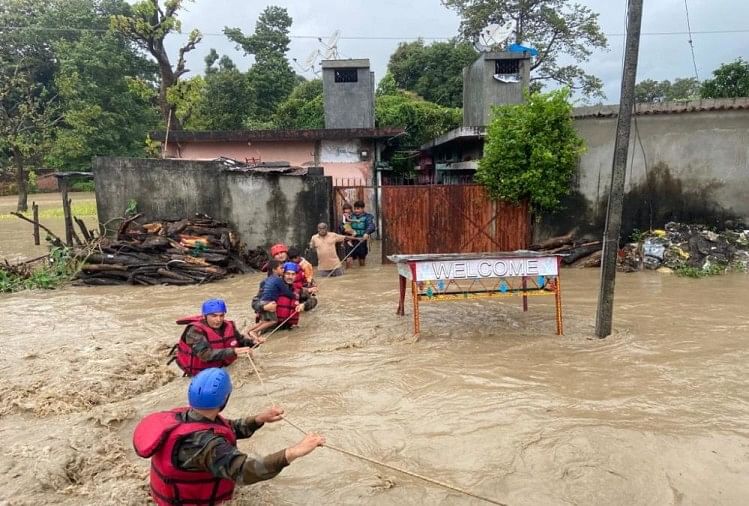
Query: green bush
[[83, 186], [531, 151]]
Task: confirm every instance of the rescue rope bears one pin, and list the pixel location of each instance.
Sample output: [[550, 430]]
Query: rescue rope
[[371, 460]]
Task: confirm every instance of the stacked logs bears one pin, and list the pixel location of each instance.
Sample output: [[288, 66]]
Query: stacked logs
[[171, 252], [577, 253]]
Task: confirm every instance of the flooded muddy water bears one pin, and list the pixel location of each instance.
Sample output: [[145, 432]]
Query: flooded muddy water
[[489, 399], [17, 236]]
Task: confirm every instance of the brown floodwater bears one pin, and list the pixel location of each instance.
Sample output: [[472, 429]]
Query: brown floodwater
[[489, 399], [17, 236]]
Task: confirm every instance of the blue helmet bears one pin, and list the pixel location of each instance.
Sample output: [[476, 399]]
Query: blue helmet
[[213, 306], [290, 267], [209, 389]]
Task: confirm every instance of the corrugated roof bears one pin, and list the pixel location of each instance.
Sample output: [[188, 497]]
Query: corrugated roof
[[713, 104]]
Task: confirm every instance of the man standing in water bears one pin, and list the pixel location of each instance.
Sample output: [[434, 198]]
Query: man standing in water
[[193, 450], [324, 242], [363, 225]]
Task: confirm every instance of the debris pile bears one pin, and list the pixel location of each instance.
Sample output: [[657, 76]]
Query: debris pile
[[578, 253], [693, 250], [174, 252]]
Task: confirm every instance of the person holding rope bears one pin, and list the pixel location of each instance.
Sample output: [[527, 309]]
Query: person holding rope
[[324, 242], [209, 340], [193, 450]]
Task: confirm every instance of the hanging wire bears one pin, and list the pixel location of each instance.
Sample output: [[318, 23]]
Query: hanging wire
[[691, 41]]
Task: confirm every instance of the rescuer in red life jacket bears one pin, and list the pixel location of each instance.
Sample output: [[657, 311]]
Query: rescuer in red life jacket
[[193, 450], [209, 340]]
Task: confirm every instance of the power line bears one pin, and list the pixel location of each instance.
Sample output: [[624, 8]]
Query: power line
[[689, 32], [691, 42]]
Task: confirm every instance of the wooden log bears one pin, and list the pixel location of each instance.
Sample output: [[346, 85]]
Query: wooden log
[[125, 223], [581, 251], [35, 211], [98, 258], [87, 234], [166, 273], [103, 282], [103, 267], [155, 242], [593, 260], [103, 274], [197, 230], [174, 228], [66, 212], [554, 242]]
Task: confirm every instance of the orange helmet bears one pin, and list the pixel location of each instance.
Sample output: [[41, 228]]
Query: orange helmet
[[278, 248]]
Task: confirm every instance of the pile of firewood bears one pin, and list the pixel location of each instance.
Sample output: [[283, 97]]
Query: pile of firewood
[[577, 253], [174, 252]]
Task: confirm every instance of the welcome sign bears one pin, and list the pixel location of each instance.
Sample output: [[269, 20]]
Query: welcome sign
[[481, 268]]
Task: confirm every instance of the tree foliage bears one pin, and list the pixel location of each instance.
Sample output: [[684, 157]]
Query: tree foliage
[[730, 80], [531, 151], [559, 29], [433, 71], [147, 25], [304, 107], [421, 119], [650, 91], [271, 78]]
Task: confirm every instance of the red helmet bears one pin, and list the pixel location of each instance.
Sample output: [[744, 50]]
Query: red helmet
[[278, 248]]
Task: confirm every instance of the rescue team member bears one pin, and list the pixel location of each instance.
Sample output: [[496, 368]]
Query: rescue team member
[[193, 450], [273, 287], [209, 340], [363, 225]]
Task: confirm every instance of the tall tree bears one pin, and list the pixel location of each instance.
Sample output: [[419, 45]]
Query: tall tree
[[28, 105], [433, 71], [107, 91], [227, 100], [730, 80], [271, 77], [148, 25], [421, 119], [558, 29], [304, 107], [650, 91]]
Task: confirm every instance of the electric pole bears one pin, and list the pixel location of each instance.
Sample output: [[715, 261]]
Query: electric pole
[[616, 191]]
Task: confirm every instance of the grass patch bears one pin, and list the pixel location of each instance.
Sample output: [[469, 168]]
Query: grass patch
[[696, 272], [85, 209]]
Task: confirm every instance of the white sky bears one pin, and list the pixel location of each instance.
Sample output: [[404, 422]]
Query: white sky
[[661, 56]]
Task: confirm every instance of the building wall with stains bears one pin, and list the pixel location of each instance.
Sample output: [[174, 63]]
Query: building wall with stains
[[689, 165], [262, 208]]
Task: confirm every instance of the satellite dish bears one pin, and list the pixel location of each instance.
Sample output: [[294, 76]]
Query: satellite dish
[[331, 45], [310, 61], [494, 36]]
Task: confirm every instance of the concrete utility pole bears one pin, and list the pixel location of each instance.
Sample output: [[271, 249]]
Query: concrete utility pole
[[616, 192]]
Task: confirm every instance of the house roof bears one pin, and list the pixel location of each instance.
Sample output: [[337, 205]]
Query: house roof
[[345, 64], [278, 135], [712, 104]]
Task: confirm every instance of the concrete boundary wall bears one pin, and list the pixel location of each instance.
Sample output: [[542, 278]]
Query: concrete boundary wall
[[262, 208], [690, 164]]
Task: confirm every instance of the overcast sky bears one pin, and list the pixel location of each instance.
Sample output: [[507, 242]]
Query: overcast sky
[[661, 56]]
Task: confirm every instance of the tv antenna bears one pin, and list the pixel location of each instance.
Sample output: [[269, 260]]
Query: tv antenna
[[493, 37], [330, 46]]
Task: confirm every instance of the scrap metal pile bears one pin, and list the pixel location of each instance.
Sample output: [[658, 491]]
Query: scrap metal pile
[[690, 249], [173, 252]]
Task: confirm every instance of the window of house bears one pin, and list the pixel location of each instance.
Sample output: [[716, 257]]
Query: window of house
[[346, 75], [504, 67]]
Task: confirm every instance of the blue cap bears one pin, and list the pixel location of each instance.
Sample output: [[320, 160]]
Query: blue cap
[[290, 266], [210, 389], [213, 306]]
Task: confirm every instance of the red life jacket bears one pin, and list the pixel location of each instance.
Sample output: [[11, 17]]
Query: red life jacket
[[189, 362], [156, 437], [285, 306]]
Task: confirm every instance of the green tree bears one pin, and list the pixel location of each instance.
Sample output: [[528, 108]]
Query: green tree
[[226, 99], [148, 25], [650, 91], [730, 80], [531, 151], [106, 92], [304, 107], [433, 71], [387, 85], [421, 119], [559, 29], [271, 78]]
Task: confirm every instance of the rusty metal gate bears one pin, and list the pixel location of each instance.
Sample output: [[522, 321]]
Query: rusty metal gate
[[449, 219]]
